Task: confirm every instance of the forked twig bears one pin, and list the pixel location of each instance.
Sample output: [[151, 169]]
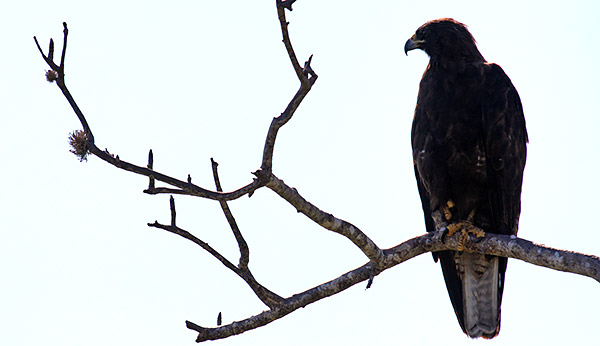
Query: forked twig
[[269, 298]]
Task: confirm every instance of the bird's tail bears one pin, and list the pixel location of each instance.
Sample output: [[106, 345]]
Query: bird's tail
[[482, 292]]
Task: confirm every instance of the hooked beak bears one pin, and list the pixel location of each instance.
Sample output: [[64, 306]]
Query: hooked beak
[[413, 43]]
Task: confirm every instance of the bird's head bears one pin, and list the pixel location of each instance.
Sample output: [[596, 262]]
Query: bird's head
[[444, 38]]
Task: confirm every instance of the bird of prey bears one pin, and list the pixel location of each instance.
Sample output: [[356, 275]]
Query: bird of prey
[[469, 148]]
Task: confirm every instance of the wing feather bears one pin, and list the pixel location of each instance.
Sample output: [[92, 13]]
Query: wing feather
[[505, 138]]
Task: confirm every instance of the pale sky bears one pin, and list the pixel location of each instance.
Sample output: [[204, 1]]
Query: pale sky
[[199, 79]]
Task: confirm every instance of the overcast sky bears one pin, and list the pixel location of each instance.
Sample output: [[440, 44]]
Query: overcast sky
[[199, 79]]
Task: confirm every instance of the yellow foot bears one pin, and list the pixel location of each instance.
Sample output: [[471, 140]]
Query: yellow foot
[[446, 210], [466, 228]]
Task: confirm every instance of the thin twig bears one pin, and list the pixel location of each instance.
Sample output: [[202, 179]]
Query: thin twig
[[173, 212], [281, 6], [185, 187], [266, 296], [47, 59], [307, 78], [243, 246], [51, 50], [151, 183], [196, 240], [269, 298], [64, 50]]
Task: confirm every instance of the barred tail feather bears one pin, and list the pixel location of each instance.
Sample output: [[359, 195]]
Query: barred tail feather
[[480, 283]]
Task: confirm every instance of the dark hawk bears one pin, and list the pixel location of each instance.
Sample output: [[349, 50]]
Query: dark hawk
[[469, 149]]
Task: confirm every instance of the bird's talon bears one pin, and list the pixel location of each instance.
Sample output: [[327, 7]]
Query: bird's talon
[[455, 227], [465, 228], [446, 211]]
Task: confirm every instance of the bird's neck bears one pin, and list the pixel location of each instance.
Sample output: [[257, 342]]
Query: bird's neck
[[455, 65]]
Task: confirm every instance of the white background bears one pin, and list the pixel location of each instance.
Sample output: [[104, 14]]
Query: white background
[[200, 79]]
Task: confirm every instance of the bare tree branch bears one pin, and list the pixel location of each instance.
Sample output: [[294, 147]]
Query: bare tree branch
[[60, 81], [152, 182], [47, 59], [307, 78], [326, 220], [379, 260], [281, 6], [494, 244], [185, 187], [269, 298], [243, 246]]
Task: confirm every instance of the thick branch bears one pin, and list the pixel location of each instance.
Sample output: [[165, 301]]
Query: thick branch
[[326, 220], [493, 244], [288, 306], [530, 252]]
